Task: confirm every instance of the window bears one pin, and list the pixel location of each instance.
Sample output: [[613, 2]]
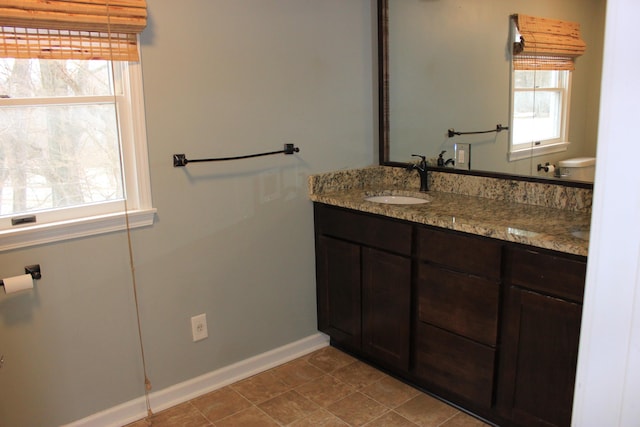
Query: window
[[543, 57], [540, 112], [72, 149], [73, 154]]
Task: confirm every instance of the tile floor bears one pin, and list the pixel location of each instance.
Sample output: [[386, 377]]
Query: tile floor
[[324, 388]]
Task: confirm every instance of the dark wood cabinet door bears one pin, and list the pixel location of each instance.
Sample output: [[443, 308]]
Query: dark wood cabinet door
[[538, 359], [386, 307], [339, 290]]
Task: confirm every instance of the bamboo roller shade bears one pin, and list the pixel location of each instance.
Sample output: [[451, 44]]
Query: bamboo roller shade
[[546, 44], [71, 29]]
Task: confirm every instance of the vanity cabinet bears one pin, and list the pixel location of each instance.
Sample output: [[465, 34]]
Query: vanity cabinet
[[540, 336], [489, 325], [458, 294], [363, 269]]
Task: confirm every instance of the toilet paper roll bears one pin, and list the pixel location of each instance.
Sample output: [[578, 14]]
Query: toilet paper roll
[[18, 283], [551, 168]]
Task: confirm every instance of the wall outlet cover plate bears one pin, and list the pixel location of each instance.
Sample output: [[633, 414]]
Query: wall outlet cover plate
[[462, 156], [199, 327]]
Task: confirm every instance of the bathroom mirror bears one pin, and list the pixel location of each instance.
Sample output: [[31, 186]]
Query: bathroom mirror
[[446, 64]]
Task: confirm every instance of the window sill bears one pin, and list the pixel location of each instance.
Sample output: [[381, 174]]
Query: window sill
[[540, 150], [72, 229]]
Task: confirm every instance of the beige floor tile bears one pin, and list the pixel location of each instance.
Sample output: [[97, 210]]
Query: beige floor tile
[[426, 411], [391, 419], [297, 372], [252, 417], [325, 390], [320, 418], [261, 387], [221, 403], [329, 359], [464, 420], [390, 392], [357, 409], [184, 415], [358, 374], [288, 407]]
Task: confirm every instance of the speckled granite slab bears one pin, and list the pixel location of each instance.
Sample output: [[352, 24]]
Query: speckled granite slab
[[542, 215], [531, 193]]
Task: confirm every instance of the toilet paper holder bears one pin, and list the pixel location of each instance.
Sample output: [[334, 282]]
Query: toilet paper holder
[[33, 270]]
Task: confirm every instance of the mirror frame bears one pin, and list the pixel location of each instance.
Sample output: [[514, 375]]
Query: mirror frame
[[384, 116]]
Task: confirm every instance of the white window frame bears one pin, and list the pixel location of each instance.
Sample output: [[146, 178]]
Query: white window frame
[[71, 223], [539, 148]]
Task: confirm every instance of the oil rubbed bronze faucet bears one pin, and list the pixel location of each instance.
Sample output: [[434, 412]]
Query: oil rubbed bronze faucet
[[421, 167]]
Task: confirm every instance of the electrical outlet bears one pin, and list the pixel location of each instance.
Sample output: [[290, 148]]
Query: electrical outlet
[[199, 327]]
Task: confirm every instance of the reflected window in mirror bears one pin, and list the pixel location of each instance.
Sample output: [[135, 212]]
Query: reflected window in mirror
[[539, 112], [543, 58]]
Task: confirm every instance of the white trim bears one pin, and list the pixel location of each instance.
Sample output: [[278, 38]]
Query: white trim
[[72, 229], [538, 150], [57, 100], [608, 374], [136, 409], [135, 155]]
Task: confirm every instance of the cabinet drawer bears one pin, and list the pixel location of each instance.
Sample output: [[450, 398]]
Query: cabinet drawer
[[550, 274], [463, 304], [463, 252], [456, 364], [369, 230]]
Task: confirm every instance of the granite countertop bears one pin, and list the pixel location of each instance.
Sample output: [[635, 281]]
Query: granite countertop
[[563, 230]]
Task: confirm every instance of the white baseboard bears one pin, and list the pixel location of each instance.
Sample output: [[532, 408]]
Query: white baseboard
[[187, 390]]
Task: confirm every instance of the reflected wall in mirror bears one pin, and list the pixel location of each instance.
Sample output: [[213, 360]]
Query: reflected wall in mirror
[[447, 64]]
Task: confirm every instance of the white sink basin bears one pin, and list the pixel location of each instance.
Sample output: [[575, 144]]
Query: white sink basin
[[396, 200]]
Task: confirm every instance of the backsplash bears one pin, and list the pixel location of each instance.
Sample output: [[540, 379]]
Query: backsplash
[[532, 193]]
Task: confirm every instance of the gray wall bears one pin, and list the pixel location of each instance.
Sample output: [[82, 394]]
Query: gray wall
[[232, 240]]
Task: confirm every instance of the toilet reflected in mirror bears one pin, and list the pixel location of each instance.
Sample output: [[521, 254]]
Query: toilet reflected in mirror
[[577, 169]]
